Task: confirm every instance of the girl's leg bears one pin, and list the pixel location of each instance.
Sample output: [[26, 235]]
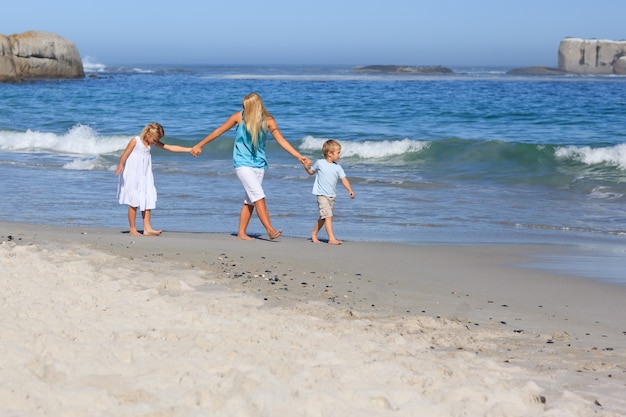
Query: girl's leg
[[132, 221], [244, 220], [147, 227], [264, 216]]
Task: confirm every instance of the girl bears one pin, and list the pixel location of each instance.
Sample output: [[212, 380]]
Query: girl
[[253, 123], [136, 184]]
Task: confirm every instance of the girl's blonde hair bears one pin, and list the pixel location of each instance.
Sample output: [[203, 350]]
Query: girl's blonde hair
[[154, 128], [254, 116]]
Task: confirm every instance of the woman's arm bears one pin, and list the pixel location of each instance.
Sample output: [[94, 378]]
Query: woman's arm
[[227, 125], [124, 156], [273, 128]]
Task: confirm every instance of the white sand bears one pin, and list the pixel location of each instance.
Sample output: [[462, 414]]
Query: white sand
[[98, 323]]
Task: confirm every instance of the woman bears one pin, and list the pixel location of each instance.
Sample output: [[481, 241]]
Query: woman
[[253, 123]]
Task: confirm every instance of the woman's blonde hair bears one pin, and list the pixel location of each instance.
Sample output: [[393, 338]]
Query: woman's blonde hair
[[254, 116], [154, 128]]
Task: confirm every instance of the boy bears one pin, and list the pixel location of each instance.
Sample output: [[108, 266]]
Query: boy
[[327, 172]]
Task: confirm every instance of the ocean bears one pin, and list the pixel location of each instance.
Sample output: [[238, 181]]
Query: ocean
[[474, 157]]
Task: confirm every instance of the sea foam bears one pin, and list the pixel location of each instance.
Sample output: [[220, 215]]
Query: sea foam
[[369, 149], [80, 139], [612, 155], [90, 66]]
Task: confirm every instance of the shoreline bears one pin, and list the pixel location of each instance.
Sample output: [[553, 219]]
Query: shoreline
[[356, 274], [486, 301]]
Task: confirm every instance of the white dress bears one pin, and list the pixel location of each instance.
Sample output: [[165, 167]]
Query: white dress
[[136, 184]]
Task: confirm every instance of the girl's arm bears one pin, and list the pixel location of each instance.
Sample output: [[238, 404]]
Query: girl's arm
[[226, 126], [171, 148], [124, 156], [346, 184], [273, 128]]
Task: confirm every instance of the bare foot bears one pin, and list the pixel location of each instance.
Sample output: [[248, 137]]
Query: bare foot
[[314, 238], [152, 232], [244, 237], [134, 233], [276, 234], [334, 242]]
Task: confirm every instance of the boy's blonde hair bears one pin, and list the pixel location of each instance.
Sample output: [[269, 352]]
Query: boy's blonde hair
[[329, 146], [254, 116], [154, 128]]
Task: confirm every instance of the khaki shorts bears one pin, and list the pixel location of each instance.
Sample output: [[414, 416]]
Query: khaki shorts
[[325, 205]]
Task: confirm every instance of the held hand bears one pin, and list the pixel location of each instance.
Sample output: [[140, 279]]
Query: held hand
[[305, 161], [196, 150]]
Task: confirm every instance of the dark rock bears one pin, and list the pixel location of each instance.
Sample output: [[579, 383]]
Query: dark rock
[[404, 69], [536, 71]]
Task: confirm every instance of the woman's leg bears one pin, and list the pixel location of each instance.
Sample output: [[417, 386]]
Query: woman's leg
[[252, 180], [244, 220], [264, 216]]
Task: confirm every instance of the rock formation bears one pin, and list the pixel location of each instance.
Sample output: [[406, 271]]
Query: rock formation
[[404, 69], [37, 54], [591, 56], [536, 71]]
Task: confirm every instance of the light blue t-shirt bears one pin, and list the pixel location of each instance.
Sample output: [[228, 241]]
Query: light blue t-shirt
[[326, 176], [244, 153]]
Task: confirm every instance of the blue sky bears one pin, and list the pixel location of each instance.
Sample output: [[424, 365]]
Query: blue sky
[[452, 33]]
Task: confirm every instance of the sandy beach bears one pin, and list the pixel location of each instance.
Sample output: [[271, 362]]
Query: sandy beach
[[100, 323]]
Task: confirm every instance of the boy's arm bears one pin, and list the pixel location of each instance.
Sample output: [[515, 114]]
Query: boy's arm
[[308, 167], [346, 184]]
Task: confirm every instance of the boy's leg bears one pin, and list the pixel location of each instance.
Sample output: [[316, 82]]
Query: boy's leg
[[132, 220], [329, 231], [318, 225], [326, 206], [323, 208], [147, 227]]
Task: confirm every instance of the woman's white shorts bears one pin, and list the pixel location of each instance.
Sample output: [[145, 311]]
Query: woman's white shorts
[[252, 181]]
